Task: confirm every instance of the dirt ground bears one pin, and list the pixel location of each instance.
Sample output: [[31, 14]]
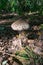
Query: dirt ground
[[7, 36]]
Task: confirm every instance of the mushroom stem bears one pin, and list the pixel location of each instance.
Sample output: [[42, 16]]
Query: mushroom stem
[[21, 34]]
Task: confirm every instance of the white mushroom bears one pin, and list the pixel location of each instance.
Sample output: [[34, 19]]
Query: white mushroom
[[20, 25]]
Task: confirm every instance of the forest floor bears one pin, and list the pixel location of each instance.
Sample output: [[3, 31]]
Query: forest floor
[[8, 37]]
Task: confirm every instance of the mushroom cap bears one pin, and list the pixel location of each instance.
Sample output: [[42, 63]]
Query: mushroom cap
[[20, 25]]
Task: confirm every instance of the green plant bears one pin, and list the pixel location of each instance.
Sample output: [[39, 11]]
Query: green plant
[[22, 6], [29, 55]]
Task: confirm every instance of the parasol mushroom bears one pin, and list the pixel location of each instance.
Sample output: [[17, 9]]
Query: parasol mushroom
[[20, 25]]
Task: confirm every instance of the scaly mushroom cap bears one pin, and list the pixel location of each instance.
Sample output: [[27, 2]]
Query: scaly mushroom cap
[[20, 25]]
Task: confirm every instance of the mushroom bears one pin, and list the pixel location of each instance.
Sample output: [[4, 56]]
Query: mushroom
[[20, 25]]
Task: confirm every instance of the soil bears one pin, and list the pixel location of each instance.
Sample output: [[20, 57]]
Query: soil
[[7, 35]]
